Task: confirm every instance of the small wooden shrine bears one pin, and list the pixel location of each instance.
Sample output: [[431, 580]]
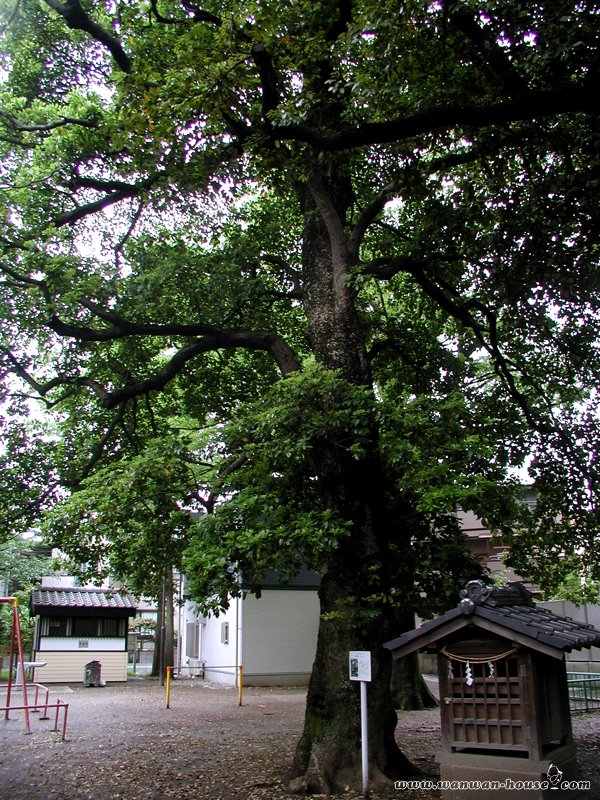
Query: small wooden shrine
[[503, 691]]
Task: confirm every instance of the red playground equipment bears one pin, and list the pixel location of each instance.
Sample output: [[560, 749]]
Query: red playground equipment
[[16, 649]]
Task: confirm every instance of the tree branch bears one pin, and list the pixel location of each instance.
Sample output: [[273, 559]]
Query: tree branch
[[368, 216], [529, 106], [26, 280], [99, 448], [492, 57], [41, 389], [47, 126], [268, 80], [198, 15], [446, 298], [282, 354], [77, 19], [211, 500], [117, 191], [297, 292], [386, 268], [335, 228], [121, 328], [214, 339], [441, 164]]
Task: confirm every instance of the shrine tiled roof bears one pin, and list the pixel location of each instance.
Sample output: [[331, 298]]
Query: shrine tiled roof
[[505, 611], [54, 600]]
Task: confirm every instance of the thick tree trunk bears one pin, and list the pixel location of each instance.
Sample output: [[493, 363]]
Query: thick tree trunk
[[328, 756]]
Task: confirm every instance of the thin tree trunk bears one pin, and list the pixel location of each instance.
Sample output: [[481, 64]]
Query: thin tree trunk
[[156, 656], [169, 626], [164, 652]]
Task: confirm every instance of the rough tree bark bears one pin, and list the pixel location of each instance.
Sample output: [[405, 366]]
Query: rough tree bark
[[328, 755]]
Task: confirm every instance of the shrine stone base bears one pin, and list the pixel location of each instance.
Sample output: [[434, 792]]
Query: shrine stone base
[[498, 777]]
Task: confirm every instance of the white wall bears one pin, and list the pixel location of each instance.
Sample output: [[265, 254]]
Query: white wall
[[221, 659], [81, 643], [273, 637], [280, 636]]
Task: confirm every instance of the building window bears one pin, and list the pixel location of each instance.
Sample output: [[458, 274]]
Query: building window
[[191, 640], [224, 633], [85, 626], [110, 627], [55, 626]]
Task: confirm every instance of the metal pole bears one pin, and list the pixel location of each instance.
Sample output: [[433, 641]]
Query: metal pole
[[64, 730], [11, 661], [169, 670], [364, 738], [46, 704], [17, 625]]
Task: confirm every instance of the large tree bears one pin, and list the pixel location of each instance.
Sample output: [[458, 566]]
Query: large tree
[[365, 233]]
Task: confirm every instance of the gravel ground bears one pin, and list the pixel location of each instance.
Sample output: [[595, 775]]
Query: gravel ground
[[124, 744]]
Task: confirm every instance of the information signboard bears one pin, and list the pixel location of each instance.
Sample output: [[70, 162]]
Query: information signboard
[[360, 665]]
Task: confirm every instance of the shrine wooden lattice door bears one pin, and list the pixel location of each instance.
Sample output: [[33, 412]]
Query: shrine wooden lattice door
[[483, 699]]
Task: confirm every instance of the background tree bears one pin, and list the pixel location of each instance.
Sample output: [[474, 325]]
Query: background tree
[[392, 206], [124, 522], [29, 482], [22, 564]]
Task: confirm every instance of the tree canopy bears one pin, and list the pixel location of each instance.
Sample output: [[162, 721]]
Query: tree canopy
[[350, 247]]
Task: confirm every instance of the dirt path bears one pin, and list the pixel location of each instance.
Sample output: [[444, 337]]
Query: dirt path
[[123, 744]]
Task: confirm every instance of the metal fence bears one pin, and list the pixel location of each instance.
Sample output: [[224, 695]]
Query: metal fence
[[584, 691]]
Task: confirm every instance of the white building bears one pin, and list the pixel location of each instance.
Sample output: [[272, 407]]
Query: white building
[[273, 637]]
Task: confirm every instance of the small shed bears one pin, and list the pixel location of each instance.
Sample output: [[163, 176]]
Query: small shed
[[76, 626], [503, 691]]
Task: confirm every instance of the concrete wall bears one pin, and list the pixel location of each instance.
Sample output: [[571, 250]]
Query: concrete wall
[[221, 658], [280, 637], [273, 637]]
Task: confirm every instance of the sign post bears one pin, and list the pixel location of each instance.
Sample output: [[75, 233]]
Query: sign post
[[359, 662]]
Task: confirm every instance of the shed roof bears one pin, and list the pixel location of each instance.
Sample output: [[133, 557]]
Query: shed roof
[[58, 601], [504, 611]]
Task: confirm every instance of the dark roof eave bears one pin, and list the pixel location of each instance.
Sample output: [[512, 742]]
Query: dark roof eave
[[56, 601], [576, 636], [421, 637], [500, 623], [39, 609]]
